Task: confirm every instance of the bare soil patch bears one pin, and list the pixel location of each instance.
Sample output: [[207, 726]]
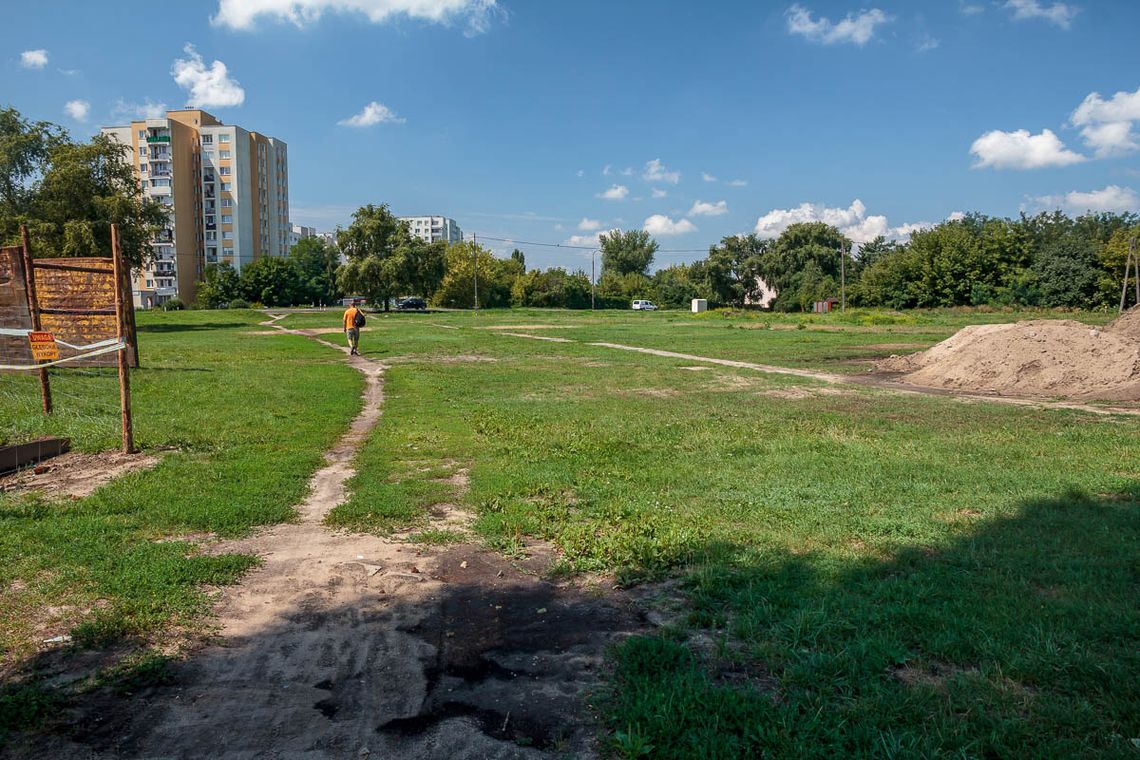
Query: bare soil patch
[[75, 475], [1045, 358]]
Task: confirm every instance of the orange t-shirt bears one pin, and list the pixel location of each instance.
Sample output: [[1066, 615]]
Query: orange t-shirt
[[350, 317]]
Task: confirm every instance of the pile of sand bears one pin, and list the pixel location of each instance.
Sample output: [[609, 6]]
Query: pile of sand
[[1050, 358], [1127, 323]]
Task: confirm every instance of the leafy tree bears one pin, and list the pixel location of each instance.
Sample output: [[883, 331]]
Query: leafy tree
[[69, 194], [496, 278], [520, 257], [552, 288], [783, 263], [219, 286], [616, 291], [1068, 272], [272, 281], [316, 262], [628, 252], [733, 269], [675, 286], [421, 266], [370, 244]]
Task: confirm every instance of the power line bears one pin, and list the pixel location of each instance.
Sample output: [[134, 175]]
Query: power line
[[586, 247]]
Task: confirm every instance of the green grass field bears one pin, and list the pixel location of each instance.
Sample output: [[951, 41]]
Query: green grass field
[[867, 573]]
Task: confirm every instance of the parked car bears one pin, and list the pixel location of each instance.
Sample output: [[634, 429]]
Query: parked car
[[641, 305], [415, 303]]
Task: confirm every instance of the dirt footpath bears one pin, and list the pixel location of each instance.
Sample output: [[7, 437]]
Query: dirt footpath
[[354, 646]]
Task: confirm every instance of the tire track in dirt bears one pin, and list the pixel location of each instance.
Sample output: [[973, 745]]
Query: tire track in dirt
[[348, 645], [866, 381]]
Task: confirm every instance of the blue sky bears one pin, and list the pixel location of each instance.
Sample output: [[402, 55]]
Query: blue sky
[[716, 118]]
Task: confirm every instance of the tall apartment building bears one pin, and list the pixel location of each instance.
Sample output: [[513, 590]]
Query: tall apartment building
[[226, 191], [433, 228]]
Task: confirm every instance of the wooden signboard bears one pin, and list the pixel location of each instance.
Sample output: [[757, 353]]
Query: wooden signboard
[[14, 310], [76, 297]]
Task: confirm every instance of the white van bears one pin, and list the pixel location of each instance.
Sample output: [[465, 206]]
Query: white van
[[644, 306]]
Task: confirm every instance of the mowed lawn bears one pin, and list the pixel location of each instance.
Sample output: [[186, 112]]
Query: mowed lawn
[[865, 573], [239, 421]]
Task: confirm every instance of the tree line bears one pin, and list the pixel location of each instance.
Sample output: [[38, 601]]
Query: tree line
[[68, 193]]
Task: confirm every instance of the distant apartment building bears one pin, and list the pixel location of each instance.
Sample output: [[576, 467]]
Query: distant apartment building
[[434, 228], [298, 232], [226, 192]]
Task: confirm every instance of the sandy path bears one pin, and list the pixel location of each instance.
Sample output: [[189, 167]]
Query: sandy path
[[345, 645], [870, 381]]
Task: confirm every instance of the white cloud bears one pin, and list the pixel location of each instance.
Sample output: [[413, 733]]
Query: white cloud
[[243, 14], [34, 59], [589, 225], [1021, 150], [851, 221], [208, 87], [655, 171], [956, 216], [738, 183], [627, 171], [970, 9], [606, 170], [661, 225], [707, 177], [658, 193], [1106, 125], [580, 173], [1111, 198], [857, 29], [1059, 14], [591, 240], [77, 109], [371, 114], [615, 193], [122, 110], [926, 44], [702, 208]]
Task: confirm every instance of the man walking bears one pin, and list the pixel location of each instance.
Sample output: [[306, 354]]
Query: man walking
[[353, 321]]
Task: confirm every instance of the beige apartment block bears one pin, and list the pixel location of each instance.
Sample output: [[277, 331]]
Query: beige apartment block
[[226, 191]]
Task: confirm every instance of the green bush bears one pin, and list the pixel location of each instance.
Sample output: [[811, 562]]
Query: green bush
[[174, 304], [239, 303]]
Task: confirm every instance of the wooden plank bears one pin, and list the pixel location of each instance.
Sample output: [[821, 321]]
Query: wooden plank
[[14, 313], [45, 264], [23, 454]]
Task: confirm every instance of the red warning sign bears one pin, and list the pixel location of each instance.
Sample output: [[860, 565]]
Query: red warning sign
[[44, 347]]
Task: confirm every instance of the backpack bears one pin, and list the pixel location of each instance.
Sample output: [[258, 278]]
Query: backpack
[[358, 319]]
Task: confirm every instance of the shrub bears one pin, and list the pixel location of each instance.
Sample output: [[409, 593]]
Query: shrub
[[239, 303], [174, 304]]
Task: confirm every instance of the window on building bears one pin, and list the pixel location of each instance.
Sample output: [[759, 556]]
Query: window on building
[[227, 235], [142, 134], [210, 218], [224, 171], [227, 219], [142, 168], [142, 150], [223, 138], [227, 186], [208, 154], [223, 154], [207, 139], [211, 234], [227, 202], [160, 183]]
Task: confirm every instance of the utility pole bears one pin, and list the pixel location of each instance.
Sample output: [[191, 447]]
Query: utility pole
[[475, 259], [843, 276], [592, 286], [1130, 263]]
